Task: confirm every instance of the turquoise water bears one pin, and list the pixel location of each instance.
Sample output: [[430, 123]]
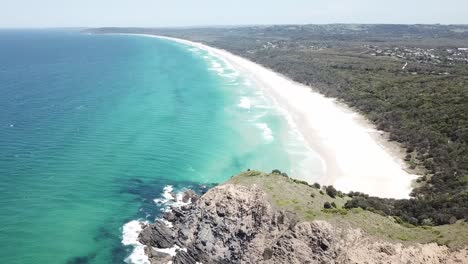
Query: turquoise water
[[92, 127]]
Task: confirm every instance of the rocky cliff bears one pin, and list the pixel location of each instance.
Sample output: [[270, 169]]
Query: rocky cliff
[[235, 223]]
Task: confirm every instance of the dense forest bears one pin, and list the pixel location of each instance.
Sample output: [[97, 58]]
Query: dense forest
[[410, 80]]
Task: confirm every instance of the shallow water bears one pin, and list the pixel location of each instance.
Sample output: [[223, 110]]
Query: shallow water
[[93, 127]]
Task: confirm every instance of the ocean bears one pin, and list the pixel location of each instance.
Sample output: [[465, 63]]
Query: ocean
[[94, 128]]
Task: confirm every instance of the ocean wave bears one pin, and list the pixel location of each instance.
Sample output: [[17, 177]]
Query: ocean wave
[[266, 131], [194, 50], [247, 82], [245, 103], [217, 67], [257, 116], [222, 67], [231, 74]]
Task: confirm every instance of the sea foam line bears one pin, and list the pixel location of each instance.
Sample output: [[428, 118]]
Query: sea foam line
[[130, 232]]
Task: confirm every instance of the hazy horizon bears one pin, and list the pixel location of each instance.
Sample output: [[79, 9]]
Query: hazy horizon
[[226, 25], [209, 13]]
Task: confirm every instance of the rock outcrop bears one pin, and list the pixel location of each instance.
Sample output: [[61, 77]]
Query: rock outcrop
[[157, 235], [237, 224]]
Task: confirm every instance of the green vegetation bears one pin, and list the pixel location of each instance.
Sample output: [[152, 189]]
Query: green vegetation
[[411, 81], [287, 194], [331, 191]]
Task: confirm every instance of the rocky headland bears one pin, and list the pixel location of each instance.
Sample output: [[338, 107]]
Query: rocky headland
[[246, 220]]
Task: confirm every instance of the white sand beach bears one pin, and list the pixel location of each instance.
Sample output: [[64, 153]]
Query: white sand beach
[[356, 156]]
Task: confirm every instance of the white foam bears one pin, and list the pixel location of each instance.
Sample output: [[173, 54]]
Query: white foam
[[216, 66], [130, 233], [266, 131], [168, 199], [167, 192], [167, 223], [245, 103], [166, 196], [231, 75], [171, 251]]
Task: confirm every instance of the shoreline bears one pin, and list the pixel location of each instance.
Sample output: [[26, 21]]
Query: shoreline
[[357, 157]]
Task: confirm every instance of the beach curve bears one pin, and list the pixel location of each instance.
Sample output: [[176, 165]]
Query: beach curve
[[355, 154]]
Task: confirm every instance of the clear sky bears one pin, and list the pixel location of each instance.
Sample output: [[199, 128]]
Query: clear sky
[[160, 13]]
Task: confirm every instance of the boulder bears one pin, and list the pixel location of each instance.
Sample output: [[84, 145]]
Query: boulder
[[189, 196], [157, 235], [156, 257]]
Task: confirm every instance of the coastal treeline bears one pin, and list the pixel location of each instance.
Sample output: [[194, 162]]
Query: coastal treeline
[[410, 81]]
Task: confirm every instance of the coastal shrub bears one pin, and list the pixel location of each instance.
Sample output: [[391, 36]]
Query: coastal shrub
[[398, 220], [340, 211], [408, 157], [321, 192], [331, 191], [413, 211], [427, 222], [300, 182], [333, 204], [316, 185], [252, 173], [353, 194], [413, 220], [327, 205], [275, 172]]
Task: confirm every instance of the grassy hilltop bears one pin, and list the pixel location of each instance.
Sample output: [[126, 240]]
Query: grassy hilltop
[[307, 202]]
